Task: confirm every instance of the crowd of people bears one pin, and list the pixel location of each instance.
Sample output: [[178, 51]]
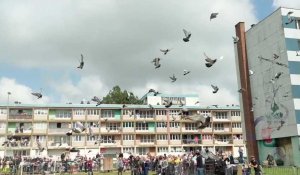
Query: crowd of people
[[191, 163]]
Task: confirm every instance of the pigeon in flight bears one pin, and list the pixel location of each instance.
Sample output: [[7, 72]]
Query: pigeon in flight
[[215, 106], [96, 99], [210, 61], [168, 103], [81, 63], [185, 72], [173, 78], [180, 103], [156, 62], [187, 36], [241, 90], [275, 56], [200, 119], [153, 91], [151, 107], [251, 72], [277, 75], [235, 39], [297, 53], [165, 51], [37, 94], [290, 19], [39, 145], [78, 129], [197, 102], [213, 15], [216, 89]]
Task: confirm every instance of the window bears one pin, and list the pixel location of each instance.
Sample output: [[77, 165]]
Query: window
[[207, 137], [161, 112], [221, 115], [222, 138], [58, 125], [142, 151], [176, 149], [297, 23], [40, 138], [218, 126], [147, 139], [141, 126], [112, 126], [77, 138], [128, 124], [93, 112], [128, 150], [161, 124], [107, 114], [205, 113], [162, 137], [190, 126], [236, 125], [146, 114], [174, 112], [108, 139], [163, 149], [3, 111], [63, 114], [127, 112], [41, 112], [175, 137], [128, 137], [92, 138], [79, 112], [174, 124], [235, 113]]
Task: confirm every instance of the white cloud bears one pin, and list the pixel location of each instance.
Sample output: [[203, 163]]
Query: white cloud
[[19, 92], [287, 3], [84, 89]]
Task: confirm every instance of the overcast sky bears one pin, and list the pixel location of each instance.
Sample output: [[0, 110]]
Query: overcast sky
[[41, 43]]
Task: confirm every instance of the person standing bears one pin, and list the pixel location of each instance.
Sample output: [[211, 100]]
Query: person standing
[[254, 164], [120, 165], [90, 166], [200, 164], [241, 158]]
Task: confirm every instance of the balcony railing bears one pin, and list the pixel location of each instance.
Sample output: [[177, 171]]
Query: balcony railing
[[58, 130], [20, 117], [191, 141], [147, 141]]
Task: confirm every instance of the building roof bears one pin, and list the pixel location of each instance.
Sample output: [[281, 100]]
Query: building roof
[[118, 106], [169, 95]]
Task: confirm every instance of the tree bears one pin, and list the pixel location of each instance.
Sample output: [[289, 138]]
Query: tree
[[116, 96]]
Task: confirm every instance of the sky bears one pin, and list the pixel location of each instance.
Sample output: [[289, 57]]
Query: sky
[[41, 44]]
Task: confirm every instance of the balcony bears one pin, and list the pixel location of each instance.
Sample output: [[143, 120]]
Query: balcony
[[190, 130], [128, 142], [127, 117], [92, 117], [19, 145], [60, 131], [161, 129], [161, 117], [3, 117], [43, 144], [227, 119], [238, 141], [20, 117], [142, 129], [112, 143], [162, 142], [145, 142], [127, 129], [78, 117], [175, 129], [236, 118], [207, 130], [222, 130], [54, 145], [39, 131], [237, 130], [78, 143], [110, 130], [175, 142], [191, 142], [208, 142], [40, 117], [222, 142]]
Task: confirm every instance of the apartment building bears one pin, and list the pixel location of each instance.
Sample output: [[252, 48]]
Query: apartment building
[[268, 69], [135, 129]]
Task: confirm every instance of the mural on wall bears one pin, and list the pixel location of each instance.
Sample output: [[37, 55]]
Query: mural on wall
[[271, 148]]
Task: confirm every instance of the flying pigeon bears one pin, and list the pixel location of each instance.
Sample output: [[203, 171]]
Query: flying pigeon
[[168, 103], [275, 56], [200, 119], [37, 94], [185, 72], [79, 129], [241, 90], [96, 99], [156, 62], [187, 36], [251, 72], [215, 106], [290, 19], [213, 15], [41, 149], [197, 102], [151, 107], [297, 53], [277, 75], [81, 63], [235, 39], [180, 103], [124, 106], [165, 51], [210, 61], [173, 118], [99, 140], [215, 89], [173, 78]]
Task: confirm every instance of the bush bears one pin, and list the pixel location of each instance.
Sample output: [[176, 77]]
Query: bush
[[279, 162]]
